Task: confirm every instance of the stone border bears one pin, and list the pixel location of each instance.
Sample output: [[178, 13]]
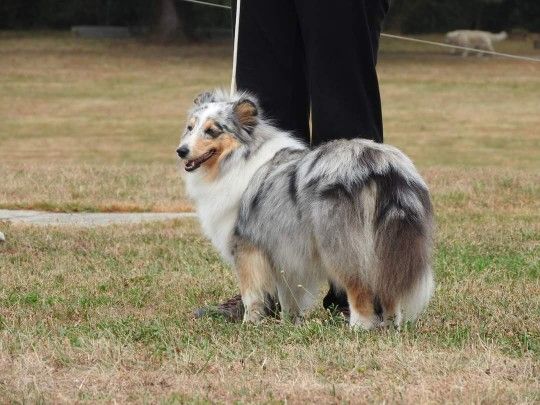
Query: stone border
[[87, 219]]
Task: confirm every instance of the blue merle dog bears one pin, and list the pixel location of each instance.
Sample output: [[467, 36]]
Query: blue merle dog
[[288, 217]]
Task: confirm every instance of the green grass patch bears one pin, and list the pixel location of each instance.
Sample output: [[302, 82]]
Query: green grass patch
[[125, 294]]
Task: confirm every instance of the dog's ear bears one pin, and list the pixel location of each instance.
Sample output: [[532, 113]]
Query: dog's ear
[[204, 98], [246, 112]]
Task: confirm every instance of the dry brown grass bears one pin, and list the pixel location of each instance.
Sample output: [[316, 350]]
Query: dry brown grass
[[393, 373], [104, 314], [87, 187], [78, 114], [75, 114]]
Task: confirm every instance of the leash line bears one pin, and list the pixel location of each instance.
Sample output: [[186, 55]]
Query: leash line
[[235, 48], [208, 4], [465, 48], [384, 35]]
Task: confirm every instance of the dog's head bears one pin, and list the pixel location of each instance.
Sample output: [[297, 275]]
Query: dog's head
[[217, 127]]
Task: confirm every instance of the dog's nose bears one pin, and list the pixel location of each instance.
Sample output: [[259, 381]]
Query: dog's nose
[[182, 151]]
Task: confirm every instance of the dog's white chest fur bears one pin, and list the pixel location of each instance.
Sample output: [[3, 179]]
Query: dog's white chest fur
[[218, 201]]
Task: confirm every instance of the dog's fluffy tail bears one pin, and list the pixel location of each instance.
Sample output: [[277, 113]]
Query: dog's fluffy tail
[[415, 301], [403, 246]]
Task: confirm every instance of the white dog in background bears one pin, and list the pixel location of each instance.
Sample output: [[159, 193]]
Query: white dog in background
[[481, 40]]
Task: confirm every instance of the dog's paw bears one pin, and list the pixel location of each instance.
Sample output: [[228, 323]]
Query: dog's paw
[[359, 322], [299, 320], [293, 318], [393, 321], [253, 316]]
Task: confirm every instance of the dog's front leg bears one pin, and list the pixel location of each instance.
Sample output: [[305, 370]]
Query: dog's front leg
[[256, 279]]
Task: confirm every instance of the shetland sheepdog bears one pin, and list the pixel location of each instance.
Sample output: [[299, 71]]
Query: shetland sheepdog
[[288, 217]]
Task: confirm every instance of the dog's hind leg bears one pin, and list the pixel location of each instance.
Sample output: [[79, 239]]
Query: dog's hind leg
[[256, 279], [391, 312], [345, 248], [361, 298], [346, 268]]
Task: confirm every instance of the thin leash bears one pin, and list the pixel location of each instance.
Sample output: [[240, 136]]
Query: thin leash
[[464, 48], [384, 35], [235, 49], [204, 3]]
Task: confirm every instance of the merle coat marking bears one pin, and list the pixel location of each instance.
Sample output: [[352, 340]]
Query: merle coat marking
[[289, 217]]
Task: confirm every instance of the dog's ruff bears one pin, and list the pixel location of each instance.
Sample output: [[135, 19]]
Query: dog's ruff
[[288, 217], [481, 40]]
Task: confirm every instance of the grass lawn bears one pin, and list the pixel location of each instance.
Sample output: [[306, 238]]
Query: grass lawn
[[105, 314], [92, 125]]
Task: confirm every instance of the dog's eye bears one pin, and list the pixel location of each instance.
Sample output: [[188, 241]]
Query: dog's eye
[[190, 128], [212, 132]]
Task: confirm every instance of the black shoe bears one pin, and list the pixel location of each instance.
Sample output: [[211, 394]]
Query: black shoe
[[336, 302]]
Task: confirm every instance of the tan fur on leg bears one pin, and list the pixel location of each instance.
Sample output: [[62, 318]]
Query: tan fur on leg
[[360, 299], [389, 311], [256, 279]]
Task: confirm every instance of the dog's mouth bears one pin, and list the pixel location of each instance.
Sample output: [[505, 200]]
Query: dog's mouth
[[194, 164]]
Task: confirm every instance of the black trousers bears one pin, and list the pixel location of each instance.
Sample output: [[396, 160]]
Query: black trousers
[[297, 55], [318, 56]]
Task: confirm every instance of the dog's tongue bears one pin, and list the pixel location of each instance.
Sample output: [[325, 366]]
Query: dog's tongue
[[195, 163], [191, 165]]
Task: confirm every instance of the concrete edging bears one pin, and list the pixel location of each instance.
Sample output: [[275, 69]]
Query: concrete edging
[[87, 219]]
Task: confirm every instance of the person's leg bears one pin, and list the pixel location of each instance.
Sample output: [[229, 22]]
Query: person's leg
[[336, 300], [341, 41], [271, 62]]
